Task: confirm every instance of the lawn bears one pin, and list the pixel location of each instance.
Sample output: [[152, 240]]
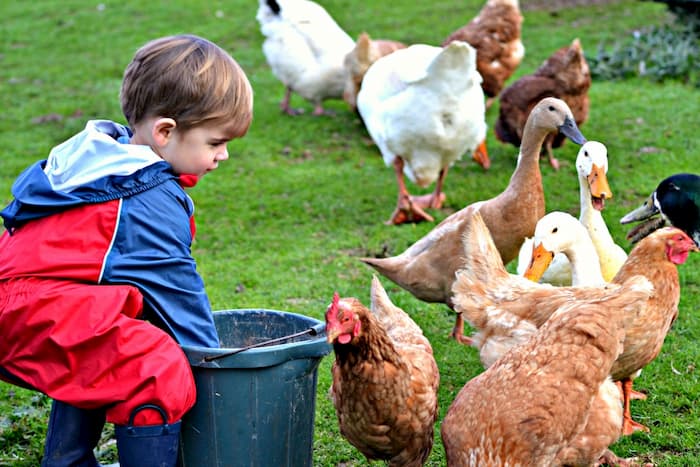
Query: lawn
[[282, 223]]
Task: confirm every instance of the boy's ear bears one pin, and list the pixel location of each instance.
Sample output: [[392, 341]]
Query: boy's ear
[[163, 130]]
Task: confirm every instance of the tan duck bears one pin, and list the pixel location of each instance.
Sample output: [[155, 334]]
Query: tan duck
[[427, 268]]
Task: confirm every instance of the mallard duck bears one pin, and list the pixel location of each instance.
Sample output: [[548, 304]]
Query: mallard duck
[[592, 167], [427, 268], [305, 49], [676, 201], [424, 108]]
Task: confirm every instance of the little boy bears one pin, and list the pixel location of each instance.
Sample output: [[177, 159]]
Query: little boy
[[98, 287]]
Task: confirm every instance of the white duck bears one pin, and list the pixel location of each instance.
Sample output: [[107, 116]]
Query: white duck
[[592, 167], [424, 108], [305, 49], [560, 233]]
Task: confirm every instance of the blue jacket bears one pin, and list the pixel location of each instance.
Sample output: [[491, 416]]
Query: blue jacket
[[101, 211]]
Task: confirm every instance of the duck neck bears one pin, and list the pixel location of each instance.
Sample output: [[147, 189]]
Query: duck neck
[[528, 169], [593, 218], [585, 266]]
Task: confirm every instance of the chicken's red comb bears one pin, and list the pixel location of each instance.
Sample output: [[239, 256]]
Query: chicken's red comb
[[332, 310]]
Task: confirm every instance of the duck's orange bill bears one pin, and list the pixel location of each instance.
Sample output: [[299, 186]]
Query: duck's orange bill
[[598, 182], [541, 259]]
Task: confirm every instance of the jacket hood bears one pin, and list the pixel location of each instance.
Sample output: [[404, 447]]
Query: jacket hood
[[94, 166]]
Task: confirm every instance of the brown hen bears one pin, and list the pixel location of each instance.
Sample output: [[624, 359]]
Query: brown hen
[[534, 405], [385, 379], [358, 60], [495, 34], [564, 75], [507, 309]]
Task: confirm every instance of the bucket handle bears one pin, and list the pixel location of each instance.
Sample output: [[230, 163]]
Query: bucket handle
[[313, 331]]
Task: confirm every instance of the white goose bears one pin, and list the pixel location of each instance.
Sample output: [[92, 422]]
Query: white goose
[[424, 108], [305, 49], [592, 167]]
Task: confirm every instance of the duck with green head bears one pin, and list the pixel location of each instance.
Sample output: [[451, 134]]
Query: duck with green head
[[676, 201]]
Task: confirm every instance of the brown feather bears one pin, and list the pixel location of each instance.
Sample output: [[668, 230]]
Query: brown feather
[[565, 74], [505, 308], [546, 389], [358, 60], [385, 383], [495, 34]]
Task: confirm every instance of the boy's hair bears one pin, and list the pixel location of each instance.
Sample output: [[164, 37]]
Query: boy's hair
[[189, 79]]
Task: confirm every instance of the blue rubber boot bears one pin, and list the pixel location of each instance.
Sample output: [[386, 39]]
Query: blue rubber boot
[[148, 445], [72, 435]]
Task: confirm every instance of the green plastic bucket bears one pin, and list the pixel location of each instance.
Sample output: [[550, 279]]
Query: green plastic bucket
[[255, 407]]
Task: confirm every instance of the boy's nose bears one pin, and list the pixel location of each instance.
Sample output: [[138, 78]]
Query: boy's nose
[[223, 155]]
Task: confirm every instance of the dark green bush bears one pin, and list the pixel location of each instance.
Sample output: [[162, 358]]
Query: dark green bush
[[670, 51]]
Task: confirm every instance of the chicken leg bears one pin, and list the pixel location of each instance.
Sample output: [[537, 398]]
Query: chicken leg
[[435, 199], [412, 208], [553, 161], [409, 208], [284, 105], [629, 426], [320, 110], [458, 331]]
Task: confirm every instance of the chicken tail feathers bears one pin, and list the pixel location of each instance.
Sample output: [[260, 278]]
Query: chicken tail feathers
[[481, 270], [482, 259], [391, 317], [274, 6]]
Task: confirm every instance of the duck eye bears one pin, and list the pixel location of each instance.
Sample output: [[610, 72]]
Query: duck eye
[[551, 108], [555, 229]]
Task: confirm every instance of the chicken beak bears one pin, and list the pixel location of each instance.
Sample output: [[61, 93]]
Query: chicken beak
[[541, 259], [598, 182], [481, 155], [645, 211], [332, 334]]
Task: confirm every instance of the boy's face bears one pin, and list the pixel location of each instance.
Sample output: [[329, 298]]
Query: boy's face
[[199, 150]]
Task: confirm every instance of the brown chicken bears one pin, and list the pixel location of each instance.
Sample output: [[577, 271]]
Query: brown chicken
[[495, 34], [534, 405], [385, 379], [358, 60], [564, 75], [507, 309]]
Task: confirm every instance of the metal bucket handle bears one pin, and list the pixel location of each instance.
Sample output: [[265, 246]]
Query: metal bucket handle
[[312, 331]]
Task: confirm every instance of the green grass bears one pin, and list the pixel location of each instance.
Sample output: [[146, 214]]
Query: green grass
[[281, 224]]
